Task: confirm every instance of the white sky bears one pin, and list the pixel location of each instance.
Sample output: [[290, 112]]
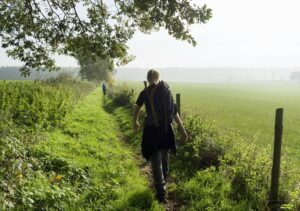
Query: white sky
[[242, 33]]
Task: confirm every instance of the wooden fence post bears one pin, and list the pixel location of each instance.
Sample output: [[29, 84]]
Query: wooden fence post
[[273, 203], [178, 103]]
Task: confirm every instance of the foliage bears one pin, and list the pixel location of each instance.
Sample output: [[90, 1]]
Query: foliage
[[208, 190], [121, 95], [201, 151], [95, 70], [26, 108], [241, 179], [33, 30], [141, 200], [24, 183], [40, 105]]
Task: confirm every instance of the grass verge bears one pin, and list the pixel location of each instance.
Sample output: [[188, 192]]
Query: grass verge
[[87, 159]]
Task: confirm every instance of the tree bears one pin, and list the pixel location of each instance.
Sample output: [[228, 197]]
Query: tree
[[33, 30], [95, 70]]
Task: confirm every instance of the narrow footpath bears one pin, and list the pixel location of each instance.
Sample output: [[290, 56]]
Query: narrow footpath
[[122, 117]]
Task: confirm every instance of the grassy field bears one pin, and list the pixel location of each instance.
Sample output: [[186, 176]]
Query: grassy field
[[247, 108]]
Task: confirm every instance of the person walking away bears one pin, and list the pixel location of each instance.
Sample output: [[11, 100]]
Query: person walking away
[[104, 88], [158, 136]]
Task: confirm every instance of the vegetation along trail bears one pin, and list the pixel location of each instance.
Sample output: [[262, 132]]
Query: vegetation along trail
[[89, 139]]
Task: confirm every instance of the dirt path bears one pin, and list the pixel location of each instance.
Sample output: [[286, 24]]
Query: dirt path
[[123, 120]]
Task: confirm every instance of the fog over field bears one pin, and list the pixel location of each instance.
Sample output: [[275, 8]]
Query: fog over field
[[173, 74], [206, 75], [13, 73]]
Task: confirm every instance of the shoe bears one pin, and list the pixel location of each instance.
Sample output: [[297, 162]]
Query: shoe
[[160, 193]]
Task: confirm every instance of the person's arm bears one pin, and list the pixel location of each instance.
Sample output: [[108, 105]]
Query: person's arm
[[184, 135], [136, 112]]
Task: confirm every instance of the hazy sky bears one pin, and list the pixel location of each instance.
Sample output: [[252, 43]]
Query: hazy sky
[[242, 33]]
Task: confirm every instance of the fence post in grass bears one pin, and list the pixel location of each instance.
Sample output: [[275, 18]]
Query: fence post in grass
[[273, 203], [178, 103], [145, 84]]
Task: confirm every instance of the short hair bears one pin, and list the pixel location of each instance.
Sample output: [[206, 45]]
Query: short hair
[[152, 76]]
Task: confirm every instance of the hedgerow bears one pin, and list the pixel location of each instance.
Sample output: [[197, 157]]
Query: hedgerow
[[40, 105], [26, 110]]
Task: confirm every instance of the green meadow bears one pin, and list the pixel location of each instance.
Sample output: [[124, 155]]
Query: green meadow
[[246, 108]]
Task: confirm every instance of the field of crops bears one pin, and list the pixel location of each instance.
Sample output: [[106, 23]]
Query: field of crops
[[246, 108]]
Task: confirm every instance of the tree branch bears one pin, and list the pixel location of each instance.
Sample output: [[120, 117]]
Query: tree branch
[[53, 10], [77, 16], [58, 5], [116, 6], [38, 8]]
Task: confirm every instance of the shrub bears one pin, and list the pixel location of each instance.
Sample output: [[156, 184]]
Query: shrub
[[121, 95], [210, 153], [242, 169], [62, 77], [249, 169], [239, 187], [39, 105], [201, 151]]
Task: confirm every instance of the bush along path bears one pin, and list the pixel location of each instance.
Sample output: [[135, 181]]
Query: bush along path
[[87, 166]]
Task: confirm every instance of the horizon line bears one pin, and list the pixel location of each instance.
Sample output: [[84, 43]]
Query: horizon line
[[181, 67]]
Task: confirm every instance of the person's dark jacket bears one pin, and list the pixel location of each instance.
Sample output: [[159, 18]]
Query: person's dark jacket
[[158, 132]]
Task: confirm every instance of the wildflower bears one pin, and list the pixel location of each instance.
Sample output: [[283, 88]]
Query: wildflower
[[58, 178]]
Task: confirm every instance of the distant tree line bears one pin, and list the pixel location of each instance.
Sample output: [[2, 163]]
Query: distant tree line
[[295, 76], [13, 73]]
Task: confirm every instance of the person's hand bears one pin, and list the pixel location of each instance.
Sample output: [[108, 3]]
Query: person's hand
[[136, 126], [184, 135]]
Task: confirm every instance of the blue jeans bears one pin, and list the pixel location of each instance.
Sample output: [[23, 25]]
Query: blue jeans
[[160, 166]]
